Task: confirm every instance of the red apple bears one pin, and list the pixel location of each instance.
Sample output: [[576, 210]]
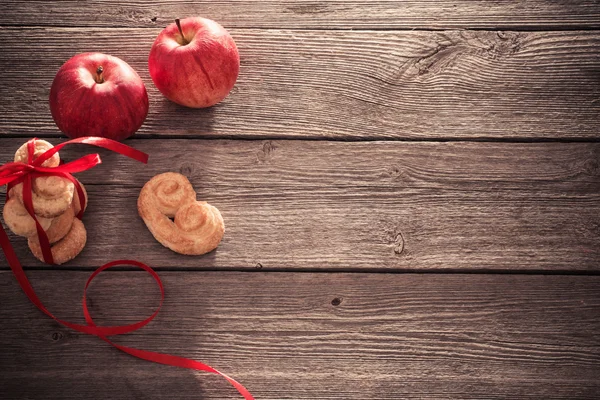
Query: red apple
[[94, 94], [194, 62]]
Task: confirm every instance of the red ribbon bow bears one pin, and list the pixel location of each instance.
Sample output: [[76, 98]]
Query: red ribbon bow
[[14, 173]]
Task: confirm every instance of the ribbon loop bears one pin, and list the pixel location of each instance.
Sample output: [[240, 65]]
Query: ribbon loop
[[98, 142]]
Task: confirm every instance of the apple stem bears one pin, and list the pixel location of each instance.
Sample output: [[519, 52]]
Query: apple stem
[[99, 77], [178, 23]]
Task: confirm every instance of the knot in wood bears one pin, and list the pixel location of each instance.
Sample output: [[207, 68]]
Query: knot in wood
[[186, 169], [399, 243], [592, 167], [266, 153]]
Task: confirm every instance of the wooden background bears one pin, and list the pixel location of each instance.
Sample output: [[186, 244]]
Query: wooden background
[[411, 192]]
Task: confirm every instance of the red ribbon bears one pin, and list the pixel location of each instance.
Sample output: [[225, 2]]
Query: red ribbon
[[15, 172]]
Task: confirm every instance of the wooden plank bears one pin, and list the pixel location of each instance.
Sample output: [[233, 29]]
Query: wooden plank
[[306, 205], [310, 14], [389, 336], [306, 84]]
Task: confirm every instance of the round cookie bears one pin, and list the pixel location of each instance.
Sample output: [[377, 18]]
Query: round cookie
[[51, 195], [76, 202], [59, 227], [65, 249], [19, 221], [41, 146]]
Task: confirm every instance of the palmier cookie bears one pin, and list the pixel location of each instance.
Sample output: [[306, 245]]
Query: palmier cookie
[[41, 146], [197, 228], [51, 195], [19, 221], [65, 249]]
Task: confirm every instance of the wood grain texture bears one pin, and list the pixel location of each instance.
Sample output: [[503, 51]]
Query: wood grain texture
[[311, 14], [306, 205], [389, 336], [342, 85]]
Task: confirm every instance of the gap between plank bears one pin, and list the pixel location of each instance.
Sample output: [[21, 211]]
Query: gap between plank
[[146, 136], [326, 270], [509, 28]]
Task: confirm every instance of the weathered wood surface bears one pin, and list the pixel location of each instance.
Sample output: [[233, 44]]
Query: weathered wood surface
[[311, 14], [283, 336], [332, 84], [308, 205], [318, 206]]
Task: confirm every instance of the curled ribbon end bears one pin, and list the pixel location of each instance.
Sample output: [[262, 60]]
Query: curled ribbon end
[[111, 145]]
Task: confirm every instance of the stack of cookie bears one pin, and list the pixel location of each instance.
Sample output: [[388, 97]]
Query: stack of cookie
[[55, 203]]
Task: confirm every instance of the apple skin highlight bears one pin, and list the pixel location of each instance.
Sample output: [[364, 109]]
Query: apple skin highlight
[[95, 94], [197, 69]]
